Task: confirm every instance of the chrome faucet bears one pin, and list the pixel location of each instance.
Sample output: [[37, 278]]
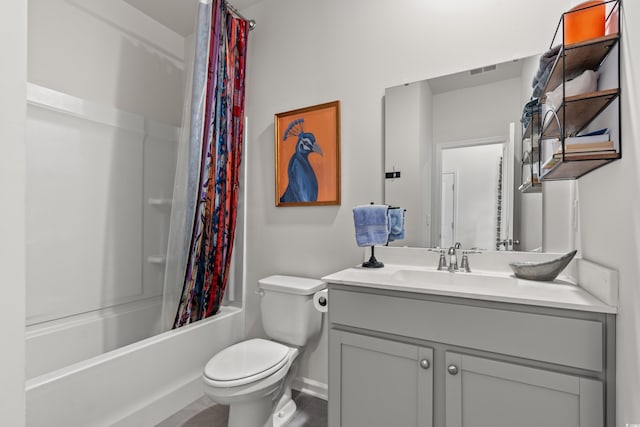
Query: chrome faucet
[[453, 259]]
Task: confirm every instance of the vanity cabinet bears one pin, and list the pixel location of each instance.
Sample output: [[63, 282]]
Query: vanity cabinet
[[577, 112], [483, 392], [413, 359], [383, 382]]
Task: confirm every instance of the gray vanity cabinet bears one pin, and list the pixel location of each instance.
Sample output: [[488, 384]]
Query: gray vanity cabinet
[[485, 392], [382, 381], [408, 359]]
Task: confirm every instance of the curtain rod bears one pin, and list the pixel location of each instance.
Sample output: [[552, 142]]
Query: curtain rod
[[252, 22]]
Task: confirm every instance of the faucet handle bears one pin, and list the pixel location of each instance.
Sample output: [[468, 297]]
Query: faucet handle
[[442, 261], [464, 264]]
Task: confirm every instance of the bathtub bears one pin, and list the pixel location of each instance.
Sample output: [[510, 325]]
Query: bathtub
[[58, 343], [136, 385]]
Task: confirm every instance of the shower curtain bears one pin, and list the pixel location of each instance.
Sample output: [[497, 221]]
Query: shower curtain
[[203, 215]]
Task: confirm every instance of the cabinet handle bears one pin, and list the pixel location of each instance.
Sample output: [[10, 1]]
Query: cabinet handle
[[453, 369], [424, 364]]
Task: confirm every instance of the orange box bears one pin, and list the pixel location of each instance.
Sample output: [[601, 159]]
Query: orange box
[[584, 21]]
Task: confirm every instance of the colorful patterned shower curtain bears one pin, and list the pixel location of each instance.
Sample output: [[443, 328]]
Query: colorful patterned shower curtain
[[212, 166]]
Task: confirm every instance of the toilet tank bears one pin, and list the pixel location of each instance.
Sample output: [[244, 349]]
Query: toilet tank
[[288, 314]]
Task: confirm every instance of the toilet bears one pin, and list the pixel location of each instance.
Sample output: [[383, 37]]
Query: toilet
[[254, 377]]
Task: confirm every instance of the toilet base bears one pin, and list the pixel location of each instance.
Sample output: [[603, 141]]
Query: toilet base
[[285, 410], [247, 414]]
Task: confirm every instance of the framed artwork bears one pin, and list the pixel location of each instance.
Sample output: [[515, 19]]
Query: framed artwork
[[307, 144]]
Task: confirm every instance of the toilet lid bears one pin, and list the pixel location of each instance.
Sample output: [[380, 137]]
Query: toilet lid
[[246, 361]]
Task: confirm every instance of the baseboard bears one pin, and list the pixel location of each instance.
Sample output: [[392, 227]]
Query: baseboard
[[311, 387]]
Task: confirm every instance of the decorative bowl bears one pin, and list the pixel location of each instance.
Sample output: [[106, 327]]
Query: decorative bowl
[[542, 271]]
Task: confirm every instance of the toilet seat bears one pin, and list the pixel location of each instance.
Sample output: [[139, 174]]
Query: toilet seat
[[245, 362]]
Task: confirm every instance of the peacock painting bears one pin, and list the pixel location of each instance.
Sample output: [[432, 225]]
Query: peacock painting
[[302, 182]]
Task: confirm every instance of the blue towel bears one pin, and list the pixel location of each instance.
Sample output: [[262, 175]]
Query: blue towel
[[396, 224], [372, 224]]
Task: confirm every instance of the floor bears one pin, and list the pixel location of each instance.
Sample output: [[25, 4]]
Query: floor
[[312, 412]]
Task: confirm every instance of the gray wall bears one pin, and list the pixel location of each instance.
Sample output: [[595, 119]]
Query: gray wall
[[305, 52]]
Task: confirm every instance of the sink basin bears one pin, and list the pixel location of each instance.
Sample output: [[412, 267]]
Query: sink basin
[[418, 277]]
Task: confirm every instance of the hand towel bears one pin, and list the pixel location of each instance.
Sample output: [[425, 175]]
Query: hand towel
[[396, 224], [547, 60], [372, 224]]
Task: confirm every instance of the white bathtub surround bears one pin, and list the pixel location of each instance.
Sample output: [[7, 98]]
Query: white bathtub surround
[[99, 186], [138, 385], [90, 172]]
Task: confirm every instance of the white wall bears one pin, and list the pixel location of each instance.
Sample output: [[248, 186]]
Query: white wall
[[306, 52], [407, 132], [476, 112], [13, 21], [610, 222]]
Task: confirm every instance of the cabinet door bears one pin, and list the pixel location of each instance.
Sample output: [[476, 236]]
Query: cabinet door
[[377, 382], [482, 392]]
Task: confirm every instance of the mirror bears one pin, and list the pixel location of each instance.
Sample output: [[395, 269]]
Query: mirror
[[453, 159]]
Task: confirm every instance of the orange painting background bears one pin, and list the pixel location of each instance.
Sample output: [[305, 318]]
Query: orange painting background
[[322, 124]]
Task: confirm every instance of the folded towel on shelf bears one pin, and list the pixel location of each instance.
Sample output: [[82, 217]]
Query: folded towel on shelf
[[527, 112], [547, 60], [396, 224], [372, 224], [584, 83]]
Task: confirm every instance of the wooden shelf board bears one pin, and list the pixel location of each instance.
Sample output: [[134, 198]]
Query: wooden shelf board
[[585, 155], [579, 111], [584, 55], [577, 167]]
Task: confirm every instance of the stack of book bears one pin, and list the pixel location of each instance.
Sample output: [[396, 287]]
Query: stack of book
[[593, 144]]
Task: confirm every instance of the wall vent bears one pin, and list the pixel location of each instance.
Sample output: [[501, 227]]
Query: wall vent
[[481, 70]]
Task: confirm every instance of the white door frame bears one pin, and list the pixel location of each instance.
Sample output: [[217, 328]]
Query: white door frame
[[436, 177]]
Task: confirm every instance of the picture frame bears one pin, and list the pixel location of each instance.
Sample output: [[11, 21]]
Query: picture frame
[[307, 156]]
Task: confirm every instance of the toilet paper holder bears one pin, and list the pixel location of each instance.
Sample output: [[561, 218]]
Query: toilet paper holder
[[321, 300]]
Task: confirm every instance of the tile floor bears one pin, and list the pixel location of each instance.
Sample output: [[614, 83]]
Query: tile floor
[[312, 412]]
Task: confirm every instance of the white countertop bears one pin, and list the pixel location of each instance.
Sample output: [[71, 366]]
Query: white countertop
[[486, 286]]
